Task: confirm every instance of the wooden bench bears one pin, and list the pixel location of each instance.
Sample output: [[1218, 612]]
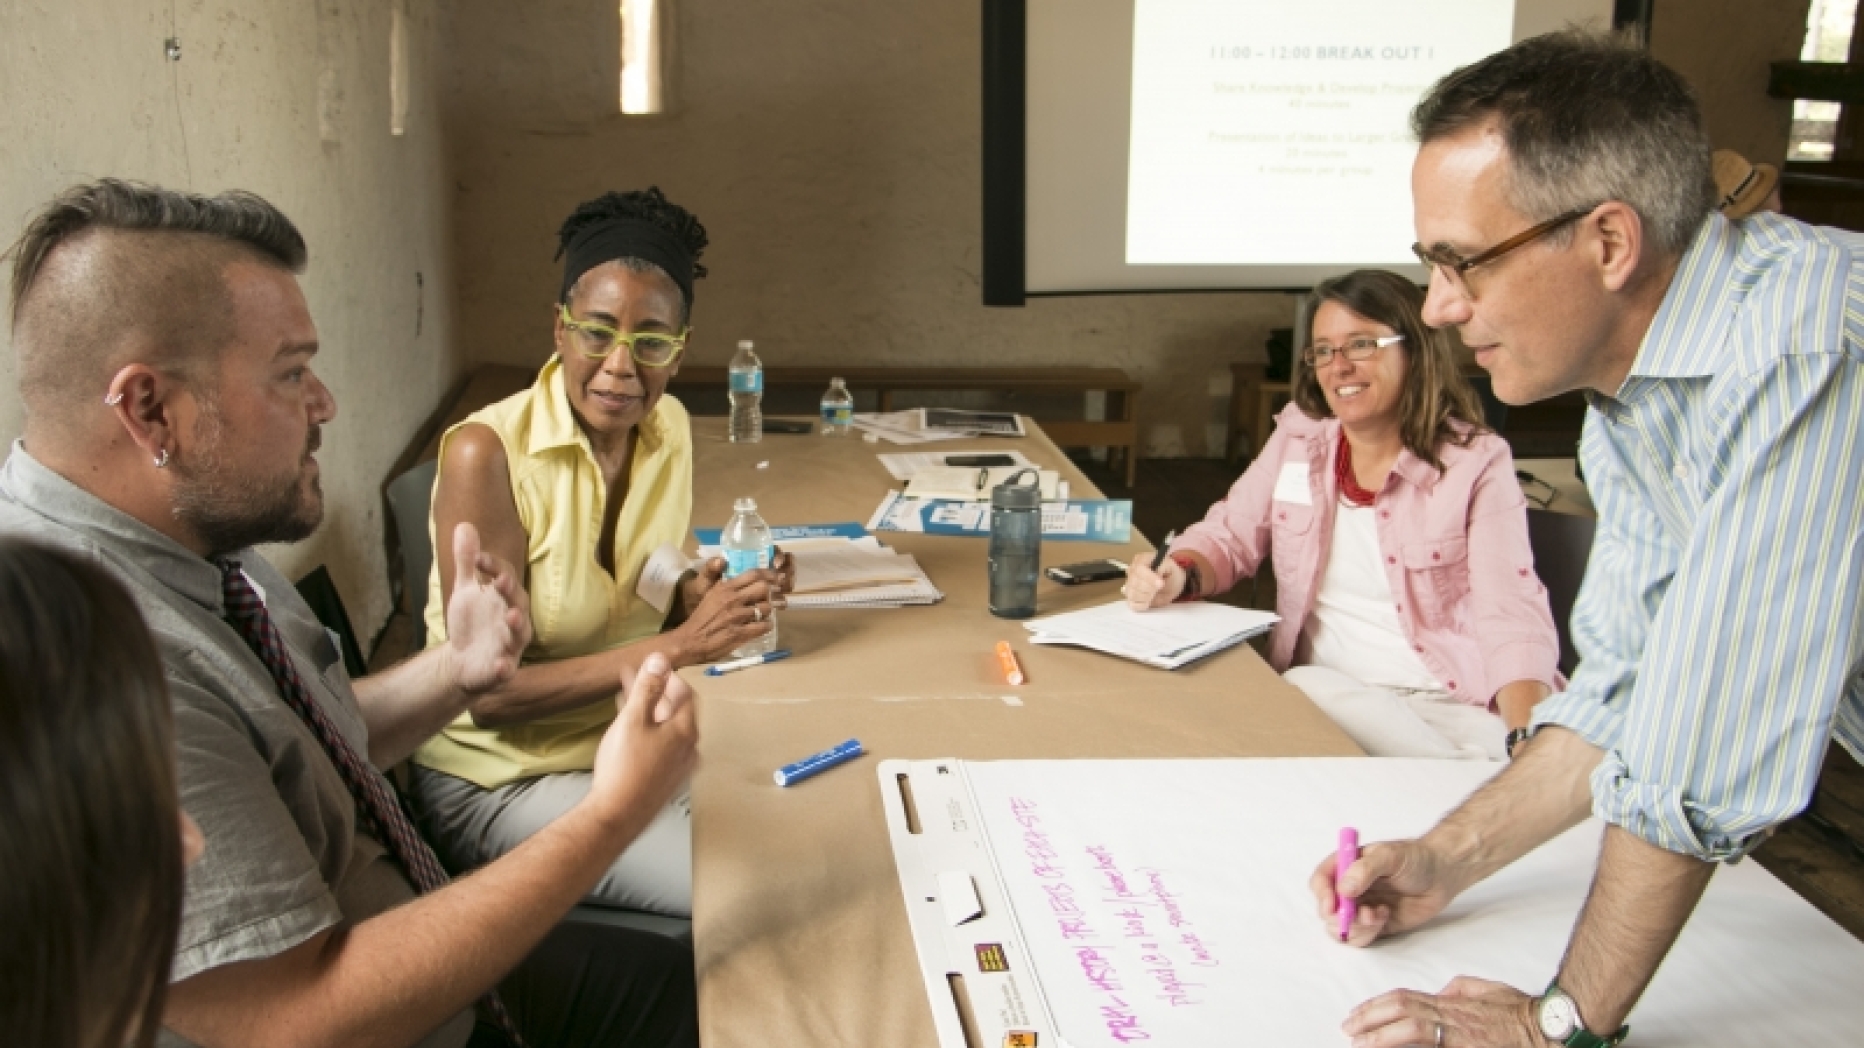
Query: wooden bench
[[1118, 431]]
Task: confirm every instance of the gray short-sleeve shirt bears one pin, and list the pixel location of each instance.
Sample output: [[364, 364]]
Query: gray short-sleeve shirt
[[285, 856]]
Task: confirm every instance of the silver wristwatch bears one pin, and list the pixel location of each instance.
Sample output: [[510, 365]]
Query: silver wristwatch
[[1558, 1017]]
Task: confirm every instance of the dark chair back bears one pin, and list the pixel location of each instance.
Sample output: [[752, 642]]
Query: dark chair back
[[319, 590], [1561, 542], [410, 497]]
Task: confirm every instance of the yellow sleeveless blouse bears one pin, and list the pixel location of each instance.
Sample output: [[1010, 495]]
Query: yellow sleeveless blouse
[[576, 607]]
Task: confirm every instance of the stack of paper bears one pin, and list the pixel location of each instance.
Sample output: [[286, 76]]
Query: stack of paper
[[922, 425], [975, 484], [1167, 637], [904, 465], [859, 573]]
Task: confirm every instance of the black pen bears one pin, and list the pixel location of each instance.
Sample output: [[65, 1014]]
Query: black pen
[[1164, 548]]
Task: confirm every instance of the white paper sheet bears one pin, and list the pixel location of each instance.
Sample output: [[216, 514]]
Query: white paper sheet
[[903, 427], [895, 596], [1166, 637], [1167, 901], [904, 465]]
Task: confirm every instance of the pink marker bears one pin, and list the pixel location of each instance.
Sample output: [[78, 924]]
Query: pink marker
[[1342, 861]]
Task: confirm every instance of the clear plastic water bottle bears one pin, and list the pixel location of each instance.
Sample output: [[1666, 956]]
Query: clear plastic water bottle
[[748, 546], [837, 409], [747, 395]]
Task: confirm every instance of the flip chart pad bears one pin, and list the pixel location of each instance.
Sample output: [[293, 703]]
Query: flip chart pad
[[1166, 902]]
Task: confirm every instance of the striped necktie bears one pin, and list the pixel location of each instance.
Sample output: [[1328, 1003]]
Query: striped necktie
[[376, 803]]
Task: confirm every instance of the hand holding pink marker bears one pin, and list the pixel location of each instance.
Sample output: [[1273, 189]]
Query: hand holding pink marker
[[1342, 861]]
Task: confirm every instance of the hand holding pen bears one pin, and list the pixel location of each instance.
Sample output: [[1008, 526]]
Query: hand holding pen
[[1393, 886], [1156, 580]]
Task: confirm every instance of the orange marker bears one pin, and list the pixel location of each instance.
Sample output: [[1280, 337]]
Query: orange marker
[[1007, 658]]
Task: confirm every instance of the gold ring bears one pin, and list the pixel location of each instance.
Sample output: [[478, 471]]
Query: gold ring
[[1439, 1035]]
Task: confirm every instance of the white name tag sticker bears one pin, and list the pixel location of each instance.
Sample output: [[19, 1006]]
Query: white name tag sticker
[[660, 575], [1291, 486]]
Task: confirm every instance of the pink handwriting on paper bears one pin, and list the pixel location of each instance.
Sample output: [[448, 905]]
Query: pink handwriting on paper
[[1098, 968], [1071, 922], [1155, 886], [1122, 1024], [1132, 923], [1108, 870], [1172, 989], [1200, 954]]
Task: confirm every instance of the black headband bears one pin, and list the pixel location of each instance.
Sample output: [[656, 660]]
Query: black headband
[[627, 238]]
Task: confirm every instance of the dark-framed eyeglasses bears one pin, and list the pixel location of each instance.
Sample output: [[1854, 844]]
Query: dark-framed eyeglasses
[[1357, 350], [652, 349], [1453, 266]]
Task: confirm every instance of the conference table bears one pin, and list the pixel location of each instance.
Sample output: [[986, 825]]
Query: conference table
[[800, 932]]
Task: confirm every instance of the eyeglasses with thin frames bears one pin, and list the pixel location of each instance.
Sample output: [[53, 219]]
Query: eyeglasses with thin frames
[[1357, 350], [653, 349], [1454, 267]]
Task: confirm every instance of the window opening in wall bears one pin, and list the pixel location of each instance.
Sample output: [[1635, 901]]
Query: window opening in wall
[[397, 72], [642, 54], [1829, 25]]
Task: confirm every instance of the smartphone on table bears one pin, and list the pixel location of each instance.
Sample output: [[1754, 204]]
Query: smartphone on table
[[1087, 571]]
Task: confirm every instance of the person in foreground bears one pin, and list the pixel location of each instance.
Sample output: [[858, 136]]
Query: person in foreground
[[1564, 204], [89, 818], [172, 419], [579, 479], [1409, 606]]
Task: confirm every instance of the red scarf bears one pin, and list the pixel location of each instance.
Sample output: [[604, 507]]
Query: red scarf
[[1343, 474]]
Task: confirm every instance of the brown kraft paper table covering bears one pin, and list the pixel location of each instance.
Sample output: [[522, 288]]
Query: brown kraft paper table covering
[[800, 933]]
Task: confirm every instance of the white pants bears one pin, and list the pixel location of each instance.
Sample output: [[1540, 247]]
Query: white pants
[[470, 827], [1391, 723]]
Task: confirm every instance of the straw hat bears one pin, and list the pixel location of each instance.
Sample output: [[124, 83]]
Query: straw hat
[[1740, 186]]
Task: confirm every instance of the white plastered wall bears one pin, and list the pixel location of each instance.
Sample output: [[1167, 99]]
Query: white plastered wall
[[291, 101], [831, 147]]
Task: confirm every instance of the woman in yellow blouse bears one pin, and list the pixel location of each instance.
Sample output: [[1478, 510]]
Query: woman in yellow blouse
[[580, 478]]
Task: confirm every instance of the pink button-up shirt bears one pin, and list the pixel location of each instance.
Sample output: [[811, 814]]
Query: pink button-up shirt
[[1454, 546]]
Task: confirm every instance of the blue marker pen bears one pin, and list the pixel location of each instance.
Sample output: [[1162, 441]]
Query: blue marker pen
[[802, 769]]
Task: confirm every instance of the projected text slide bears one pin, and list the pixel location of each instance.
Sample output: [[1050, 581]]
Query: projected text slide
[[1265, 132]]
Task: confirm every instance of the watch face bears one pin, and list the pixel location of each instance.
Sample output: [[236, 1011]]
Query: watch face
[[1558, 1017]]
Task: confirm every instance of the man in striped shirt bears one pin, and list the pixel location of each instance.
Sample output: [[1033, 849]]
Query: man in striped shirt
[[1564, 203]]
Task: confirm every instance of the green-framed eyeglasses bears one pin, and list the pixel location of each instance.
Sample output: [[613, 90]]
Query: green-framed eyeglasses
[[1357, 350], [652, 349]]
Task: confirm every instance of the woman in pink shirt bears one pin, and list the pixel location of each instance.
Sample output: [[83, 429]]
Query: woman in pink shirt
[[1409, 606]]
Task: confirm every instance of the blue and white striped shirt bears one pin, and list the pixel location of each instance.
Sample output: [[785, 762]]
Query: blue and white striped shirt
[[1720, 626]]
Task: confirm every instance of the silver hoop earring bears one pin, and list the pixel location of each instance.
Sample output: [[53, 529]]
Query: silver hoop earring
[[114, 399], [161, 460]]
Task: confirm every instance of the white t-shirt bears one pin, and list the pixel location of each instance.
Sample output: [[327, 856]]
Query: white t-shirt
[[1354, 628]]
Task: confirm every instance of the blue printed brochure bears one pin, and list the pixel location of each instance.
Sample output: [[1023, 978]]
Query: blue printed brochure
[[791, 532], [1072, 520]]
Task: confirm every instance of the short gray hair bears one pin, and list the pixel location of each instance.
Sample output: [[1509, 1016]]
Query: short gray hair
[[111, 203], [1587, 117], [107, 260]]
